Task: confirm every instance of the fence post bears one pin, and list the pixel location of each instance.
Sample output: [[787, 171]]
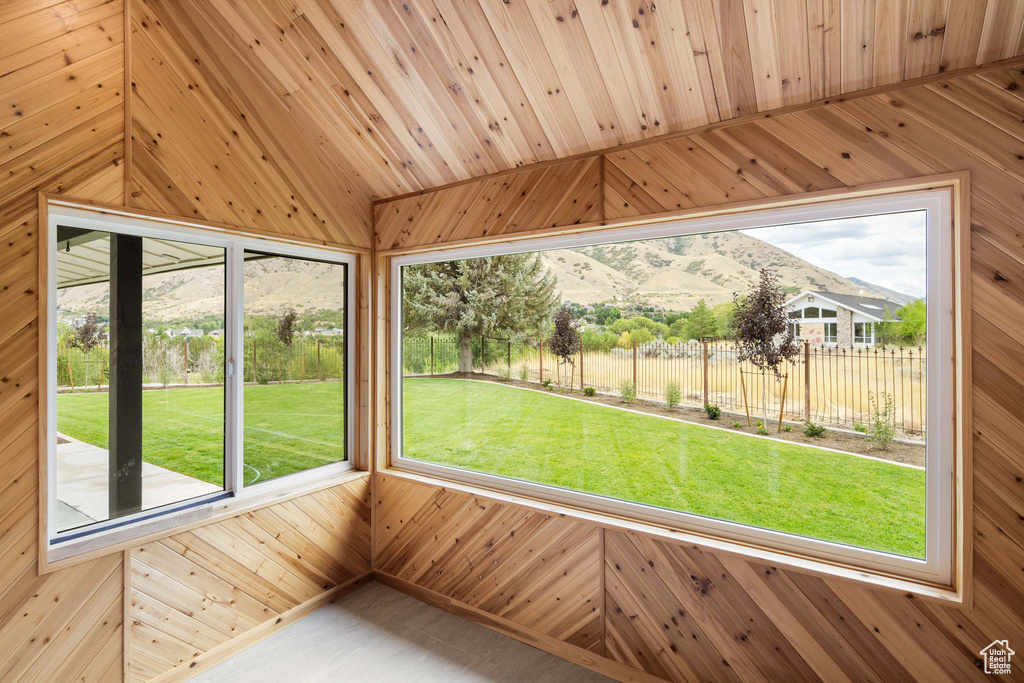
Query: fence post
[[634, 364], [509, 357], [319, 375], [254, 360], [581, 366], [807, 381], [483, 354], [705, 372], [431, 354], [541, 376], [186, 360]]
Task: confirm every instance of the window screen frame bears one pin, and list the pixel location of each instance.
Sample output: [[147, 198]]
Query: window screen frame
[[945, 449], [59, 545]]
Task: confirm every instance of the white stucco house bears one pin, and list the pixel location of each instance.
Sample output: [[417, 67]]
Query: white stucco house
[[840, 319]]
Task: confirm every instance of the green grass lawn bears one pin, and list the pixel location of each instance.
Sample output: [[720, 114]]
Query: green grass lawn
[[288, 428], [547, 439]]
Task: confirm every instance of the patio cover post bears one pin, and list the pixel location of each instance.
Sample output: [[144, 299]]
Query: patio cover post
[[125, 421]]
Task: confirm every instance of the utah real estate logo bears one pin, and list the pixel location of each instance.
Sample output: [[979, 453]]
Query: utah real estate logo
[[997, 657]]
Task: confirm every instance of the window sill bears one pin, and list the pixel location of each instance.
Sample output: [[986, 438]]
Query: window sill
[[946, 595], [119, 539]]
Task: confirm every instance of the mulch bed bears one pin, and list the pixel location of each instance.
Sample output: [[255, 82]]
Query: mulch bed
[[898, 451]]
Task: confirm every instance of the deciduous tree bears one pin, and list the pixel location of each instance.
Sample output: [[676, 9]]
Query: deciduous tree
[[565, 344], [763, 334]]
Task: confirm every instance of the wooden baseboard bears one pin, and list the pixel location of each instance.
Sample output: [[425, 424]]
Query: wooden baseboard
[[559, 648], [212, 657]]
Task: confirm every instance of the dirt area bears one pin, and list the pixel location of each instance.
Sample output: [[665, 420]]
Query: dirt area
[[898, 451]]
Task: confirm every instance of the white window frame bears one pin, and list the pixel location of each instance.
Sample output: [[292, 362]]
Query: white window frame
[[61, 544], [938, 566]]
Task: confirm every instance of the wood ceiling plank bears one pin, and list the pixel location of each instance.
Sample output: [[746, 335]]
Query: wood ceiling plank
[[889, 36], [765, 51], [792, 42], [739, 77], [858, 44], [1001, 31], [541, 86], [560, 29], [927, 24], [824, 40], [623, 24], [965, 20]]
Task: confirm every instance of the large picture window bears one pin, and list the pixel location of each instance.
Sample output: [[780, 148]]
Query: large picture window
[[185, 367], [659, 373]]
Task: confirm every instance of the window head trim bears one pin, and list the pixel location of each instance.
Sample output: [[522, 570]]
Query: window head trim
[[945, 449]]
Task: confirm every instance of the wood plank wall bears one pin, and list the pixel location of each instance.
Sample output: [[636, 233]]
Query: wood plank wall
[[212, 139], [195, 591], [61, 130], [686, 612]]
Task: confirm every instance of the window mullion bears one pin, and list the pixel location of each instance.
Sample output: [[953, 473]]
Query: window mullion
[[234, 355]]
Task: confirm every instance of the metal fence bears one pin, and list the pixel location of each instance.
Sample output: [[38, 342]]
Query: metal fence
[[823, 384], [182, 361]]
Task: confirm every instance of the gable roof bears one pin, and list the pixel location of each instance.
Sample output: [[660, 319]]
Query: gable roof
[[871, 307], [1001, 644]]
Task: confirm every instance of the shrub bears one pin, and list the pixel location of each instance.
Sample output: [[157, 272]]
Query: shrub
[[787, 428], [546, 384], [628, 391], [589, 391], [672, 395], [860, 427], [524, 373], [881, 429], [505, 374], [815, 430], [737, 425], [762, 431], [713, 411]]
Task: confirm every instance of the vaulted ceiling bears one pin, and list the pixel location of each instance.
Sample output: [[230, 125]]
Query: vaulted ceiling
[[398, 95]]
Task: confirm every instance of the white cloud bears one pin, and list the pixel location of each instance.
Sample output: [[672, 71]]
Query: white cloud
[[886, 250]]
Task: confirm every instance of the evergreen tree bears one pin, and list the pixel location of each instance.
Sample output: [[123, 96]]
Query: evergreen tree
[[511, 295]]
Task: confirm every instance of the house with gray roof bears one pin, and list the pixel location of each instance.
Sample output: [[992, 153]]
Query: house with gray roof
[[838, 319]]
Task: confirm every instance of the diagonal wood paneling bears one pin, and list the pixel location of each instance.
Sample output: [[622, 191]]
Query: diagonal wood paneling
[[382, 98], [61, 131], [215, 139], [561, 194], [533, 568], [196, 590], [686, 613]]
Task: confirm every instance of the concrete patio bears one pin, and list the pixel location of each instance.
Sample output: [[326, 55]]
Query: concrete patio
[[82, 484]]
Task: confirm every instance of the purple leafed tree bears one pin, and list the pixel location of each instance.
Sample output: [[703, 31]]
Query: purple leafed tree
[[565, 344], [763, 336], [87, 336]]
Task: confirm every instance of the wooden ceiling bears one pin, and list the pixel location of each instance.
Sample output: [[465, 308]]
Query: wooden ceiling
[[402, 95]]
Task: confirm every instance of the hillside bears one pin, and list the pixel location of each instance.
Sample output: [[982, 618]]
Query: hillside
[[671, 273], [675, 273]]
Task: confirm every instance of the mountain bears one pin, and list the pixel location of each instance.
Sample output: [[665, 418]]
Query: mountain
[[882, 292], [672, 273], [271, 286], [675, 273]]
